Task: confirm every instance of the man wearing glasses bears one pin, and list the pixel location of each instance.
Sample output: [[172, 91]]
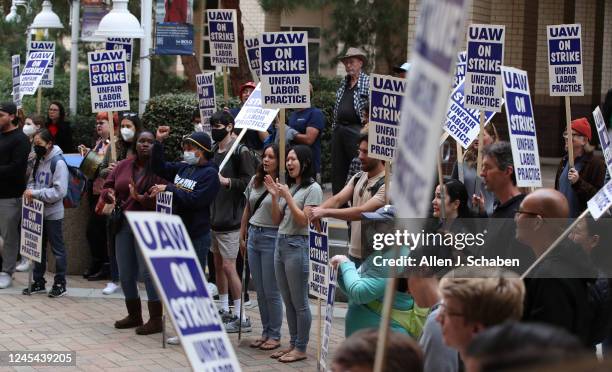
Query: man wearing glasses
[[366, 191], [474, 299], [557, 287], [582, 181]]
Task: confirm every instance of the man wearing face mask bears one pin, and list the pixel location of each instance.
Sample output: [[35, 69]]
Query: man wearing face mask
[[14, 150], [227, 212], [195, 184]]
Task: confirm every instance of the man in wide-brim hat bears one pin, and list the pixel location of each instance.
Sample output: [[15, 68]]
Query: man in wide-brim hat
[[350, 114]]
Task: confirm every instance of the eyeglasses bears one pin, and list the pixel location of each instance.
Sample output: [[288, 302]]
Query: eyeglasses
[[129, 115], [520, 211]]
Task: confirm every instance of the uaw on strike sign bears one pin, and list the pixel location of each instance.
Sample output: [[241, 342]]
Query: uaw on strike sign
[[284, 70], [32, 229], [565, 60], [172, 261], [223, 40], [386, 95], [108, 81]]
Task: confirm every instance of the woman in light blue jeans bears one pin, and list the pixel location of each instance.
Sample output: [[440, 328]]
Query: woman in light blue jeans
[[291, 257], [260, 242]]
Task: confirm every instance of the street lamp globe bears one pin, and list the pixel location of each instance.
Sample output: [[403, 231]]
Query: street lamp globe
[[46, 18], [119, 22]]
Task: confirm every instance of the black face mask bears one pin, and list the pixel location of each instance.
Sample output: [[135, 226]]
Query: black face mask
[[218, 134], [40, 151]]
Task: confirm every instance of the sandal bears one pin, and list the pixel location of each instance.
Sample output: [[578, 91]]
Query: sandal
[[280, 353], [291, 358], [270, 345], [257, 343]]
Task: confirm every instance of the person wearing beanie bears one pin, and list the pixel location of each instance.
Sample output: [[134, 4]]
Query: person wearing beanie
[[14, 147], [582, 181]]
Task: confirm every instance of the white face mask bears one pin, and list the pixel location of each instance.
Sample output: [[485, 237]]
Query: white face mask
[[29, 129], [127, 134], [190, 158]]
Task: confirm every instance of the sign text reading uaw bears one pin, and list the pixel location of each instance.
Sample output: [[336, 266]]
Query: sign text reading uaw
[[32, 229], [108, 81], [33, 71], [15, 66], [438, 35], [252, 115], [565, 60], [604, 139], [318, 281], [460, 69], [485, 56], [251, 46], [127, 44], [171, 259], [223, 40], [386, 95], [45, 46], [284, 70], [205, 84], [521, 126]]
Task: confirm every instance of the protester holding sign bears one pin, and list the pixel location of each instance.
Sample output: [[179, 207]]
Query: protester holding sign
[[14, 147], [291, 258], [258, 226], [60, 128], [349, 115], [580, 183], [49, 184], [226, 213], [127, 186], [195, 185], [471, 180], [253, 139]]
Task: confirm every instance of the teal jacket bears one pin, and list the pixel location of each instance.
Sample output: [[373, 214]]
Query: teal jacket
[[365, 289]]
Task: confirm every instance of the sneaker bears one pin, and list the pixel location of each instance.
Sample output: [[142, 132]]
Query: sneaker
[[173, 341], [212, 289], [5, 280], [250, 304], [35, 288], [233, 326], [226, 316], [110, 288], [58, 290], [23, 265]]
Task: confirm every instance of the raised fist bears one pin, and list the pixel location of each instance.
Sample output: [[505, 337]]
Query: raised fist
[[162, 133]]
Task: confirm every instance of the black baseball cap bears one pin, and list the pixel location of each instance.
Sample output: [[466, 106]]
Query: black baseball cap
[[8, 107], [200, 139]]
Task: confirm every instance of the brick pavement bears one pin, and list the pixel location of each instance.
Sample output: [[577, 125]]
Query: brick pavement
[[83, 321]]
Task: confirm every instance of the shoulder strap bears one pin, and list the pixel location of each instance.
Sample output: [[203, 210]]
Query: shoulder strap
[[374, 189], [54, 161], [356, 178], [259, 201]]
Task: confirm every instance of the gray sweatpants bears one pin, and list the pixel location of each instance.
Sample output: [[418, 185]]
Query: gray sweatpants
[[10, 211]]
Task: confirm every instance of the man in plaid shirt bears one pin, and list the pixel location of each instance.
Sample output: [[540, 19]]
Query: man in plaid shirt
[[349, 115]]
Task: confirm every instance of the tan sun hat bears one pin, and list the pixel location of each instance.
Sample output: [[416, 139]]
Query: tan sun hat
[[357, 53]]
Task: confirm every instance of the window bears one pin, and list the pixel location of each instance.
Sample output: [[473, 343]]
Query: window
[[314, 44], [206, 64]]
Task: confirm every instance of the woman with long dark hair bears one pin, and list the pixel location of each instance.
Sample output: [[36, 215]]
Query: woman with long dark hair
[[455, 201], [49, 184], [291, 257], [127, 186], [262, 231], [59, 128]]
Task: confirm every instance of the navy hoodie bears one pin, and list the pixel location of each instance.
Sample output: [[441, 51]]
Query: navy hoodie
[[194, 187]]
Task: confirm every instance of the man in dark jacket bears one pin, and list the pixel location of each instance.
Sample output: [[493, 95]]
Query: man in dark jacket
[[557, 288], [582, 181], [14, 150], [194, 185], [227, 213]]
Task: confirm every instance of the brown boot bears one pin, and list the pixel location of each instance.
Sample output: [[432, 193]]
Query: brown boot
[[134, 318], [154, 325]]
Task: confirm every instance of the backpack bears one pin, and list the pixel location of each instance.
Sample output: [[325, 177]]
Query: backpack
[[254, 157], [76, 183], [599, 298], [372, 189]]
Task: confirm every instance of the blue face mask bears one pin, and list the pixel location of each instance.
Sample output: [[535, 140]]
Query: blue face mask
[[190, 158]]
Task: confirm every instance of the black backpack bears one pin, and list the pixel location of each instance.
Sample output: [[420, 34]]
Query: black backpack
[[372, 189], [254, 157]]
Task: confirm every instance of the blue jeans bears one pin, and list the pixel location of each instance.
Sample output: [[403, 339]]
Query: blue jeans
[[52, 233], [201, 245], [261, 246], [131, 264], [291, 267]]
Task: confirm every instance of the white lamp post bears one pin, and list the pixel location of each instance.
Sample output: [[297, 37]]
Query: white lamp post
[[46, 18], [74, 56], [119, 22]]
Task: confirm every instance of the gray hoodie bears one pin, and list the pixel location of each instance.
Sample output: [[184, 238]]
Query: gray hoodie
[[49, 187]]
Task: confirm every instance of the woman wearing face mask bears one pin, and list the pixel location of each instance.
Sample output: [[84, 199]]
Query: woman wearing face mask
[[291, 257], [128, 185], [49, 184], [130, 127], [262, 231], [59, 128]]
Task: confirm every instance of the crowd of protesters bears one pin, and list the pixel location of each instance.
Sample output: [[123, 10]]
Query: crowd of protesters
[[243, 218]]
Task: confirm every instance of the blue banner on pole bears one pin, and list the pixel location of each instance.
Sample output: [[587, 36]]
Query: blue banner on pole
[[173, 38]]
